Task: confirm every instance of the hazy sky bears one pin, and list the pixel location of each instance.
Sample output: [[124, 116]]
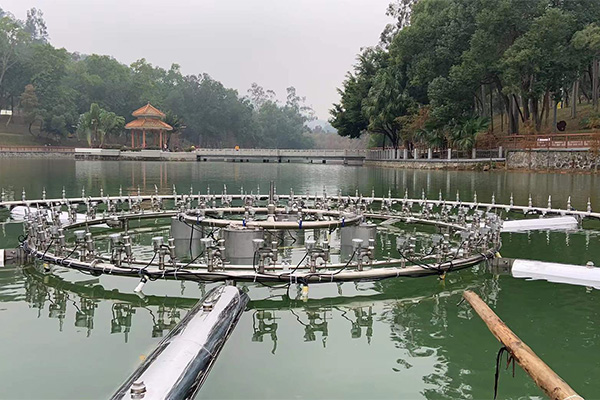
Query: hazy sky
[[309, 44]]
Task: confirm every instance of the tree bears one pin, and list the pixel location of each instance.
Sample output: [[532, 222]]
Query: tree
[[425, 129], [464, 135], [103, 80], [89, 123], [298, 107], [281, 127], [434, 42], [110, 124], [541, 62], [35, 25], [386, 104], [401, 11], [259, 96], [29, 104], [97, 123], [175, 122], [588, 39], [13, 38], [464, 59], [349, 115], [73, 92]]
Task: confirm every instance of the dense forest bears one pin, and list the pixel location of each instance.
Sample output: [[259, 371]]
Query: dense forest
[[447, 70], [61, 94]]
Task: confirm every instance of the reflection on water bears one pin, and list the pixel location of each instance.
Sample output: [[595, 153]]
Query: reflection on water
[[35, 175], [423, 323], [79, 337], [51, 295], [362, 310]]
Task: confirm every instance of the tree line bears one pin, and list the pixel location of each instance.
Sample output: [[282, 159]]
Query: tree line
[[442, 72], [62, 93]]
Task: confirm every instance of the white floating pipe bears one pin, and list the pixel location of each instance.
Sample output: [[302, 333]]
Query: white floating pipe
[[530, 224], [179, 365], [579, 275]]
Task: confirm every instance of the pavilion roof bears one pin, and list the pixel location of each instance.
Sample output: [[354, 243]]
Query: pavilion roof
[[149, 124], [148, 111]]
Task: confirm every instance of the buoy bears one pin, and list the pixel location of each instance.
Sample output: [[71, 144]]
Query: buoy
[[304, 293]]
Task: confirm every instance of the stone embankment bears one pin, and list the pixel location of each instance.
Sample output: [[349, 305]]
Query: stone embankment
[[554, 160], [460, 165], [36, 154], [9, 154]]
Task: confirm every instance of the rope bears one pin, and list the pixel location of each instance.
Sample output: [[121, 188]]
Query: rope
[[498, 358]]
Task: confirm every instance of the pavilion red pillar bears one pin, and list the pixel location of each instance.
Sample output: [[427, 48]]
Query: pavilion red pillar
[[161, 139], [132, 142], [144, 139]]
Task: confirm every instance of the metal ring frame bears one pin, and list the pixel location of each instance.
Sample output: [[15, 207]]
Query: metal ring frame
[[482, 231]]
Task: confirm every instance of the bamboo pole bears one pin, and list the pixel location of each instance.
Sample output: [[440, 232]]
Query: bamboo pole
[[538, 370]]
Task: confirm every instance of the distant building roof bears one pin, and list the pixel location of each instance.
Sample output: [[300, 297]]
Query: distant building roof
[[149, 124], [148, 111]]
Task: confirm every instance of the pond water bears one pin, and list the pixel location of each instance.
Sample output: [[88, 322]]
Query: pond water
[[68, 335]]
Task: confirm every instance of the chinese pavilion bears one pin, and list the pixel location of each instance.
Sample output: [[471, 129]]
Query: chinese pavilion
[[149, 119]]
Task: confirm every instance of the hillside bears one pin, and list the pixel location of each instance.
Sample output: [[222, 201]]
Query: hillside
[[580, 124], [16, 133]]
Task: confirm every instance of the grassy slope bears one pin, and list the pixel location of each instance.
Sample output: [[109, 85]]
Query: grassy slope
[[18, 139], [17, 134]]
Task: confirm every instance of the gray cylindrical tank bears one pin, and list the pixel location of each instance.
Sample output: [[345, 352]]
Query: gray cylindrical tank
[[182, 233], [364, 231], [238, 244], [182, 230]]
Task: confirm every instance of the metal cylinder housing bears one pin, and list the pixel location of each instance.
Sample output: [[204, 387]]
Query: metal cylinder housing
[[239, 246]]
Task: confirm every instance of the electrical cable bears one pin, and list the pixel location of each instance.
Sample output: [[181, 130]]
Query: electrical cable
[[62, 262], [296, 267], [321, 274], [149, 263], [191, 262], [47, 248]]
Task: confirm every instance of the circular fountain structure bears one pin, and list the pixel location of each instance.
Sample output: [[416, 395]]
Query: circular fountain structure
[[251, 237], [291, 239]]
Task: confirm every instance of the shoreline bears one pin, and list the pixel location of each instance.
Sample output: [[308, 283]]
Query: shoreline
[[482, 165]]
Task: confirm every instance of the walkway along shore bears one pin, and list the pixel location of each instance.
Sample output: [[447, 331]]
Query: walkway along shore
[[548, 160]]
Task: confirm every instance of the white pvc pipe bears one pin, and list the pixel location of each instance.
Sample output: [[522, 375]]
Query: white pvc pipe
[[554, 223], [558, 273]]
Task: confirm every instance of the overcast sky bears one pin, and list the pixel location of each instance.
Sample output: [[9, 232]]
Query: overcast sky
[[309, 44]]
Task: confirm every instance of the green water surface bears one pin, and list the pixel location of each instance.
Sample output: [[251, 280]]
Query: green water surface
[[69, 335]]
